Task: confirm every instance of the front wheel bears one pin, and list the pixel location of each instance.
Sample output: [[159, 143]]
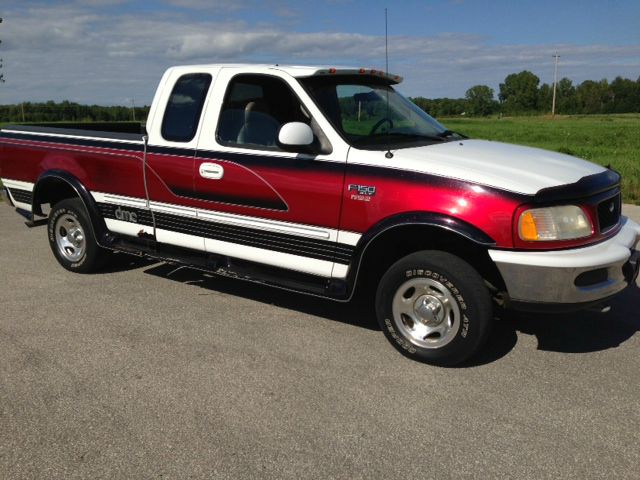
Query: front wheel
[[434, 307], [71, 237]]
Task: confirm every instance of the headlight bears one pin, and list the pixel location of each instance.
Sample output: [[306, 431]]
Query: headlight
[[554, 223]]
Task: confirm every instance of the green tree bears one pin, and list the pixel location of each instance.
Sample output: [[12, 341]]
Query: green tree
[[566, 101], [625, 95], [480, 100], [441, 107], [519, 92], [545, 98], [594, 97]]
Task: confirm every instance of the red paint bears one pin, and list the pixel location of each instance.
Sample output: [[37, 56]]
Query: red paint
[[312, 192]]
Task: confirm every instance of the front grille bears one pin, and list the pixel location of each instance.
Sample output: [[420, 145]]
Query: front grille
[[609, 212]]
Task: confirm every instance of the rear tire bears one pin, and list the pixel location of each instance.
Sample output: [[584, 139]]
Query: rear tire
[[434, 307], [71, 237]]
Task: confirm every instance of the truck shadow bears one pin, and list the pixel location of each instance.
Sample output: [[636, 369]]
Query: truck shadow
[[579, 332], [584, 331], [121, 262], [353, 313]]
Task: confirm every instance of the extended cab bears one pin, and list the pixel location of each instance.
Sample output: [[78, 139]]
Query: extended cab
[[321, 180]]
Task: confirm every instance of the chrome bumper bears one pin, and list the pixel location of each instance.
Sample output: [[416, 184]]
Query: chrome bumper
[[577, 276]]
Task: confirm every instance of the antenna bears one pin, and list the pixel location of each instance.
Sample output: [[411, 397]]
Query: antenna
[[386, 69], [386, 43]]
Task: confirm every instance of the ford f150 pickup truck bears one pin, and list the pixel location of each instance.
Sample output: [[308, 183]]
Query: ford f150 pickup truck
[[324, 180]]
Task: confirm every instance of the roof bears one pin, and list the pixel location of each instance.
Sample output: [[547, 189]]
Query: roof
[[302, 71]]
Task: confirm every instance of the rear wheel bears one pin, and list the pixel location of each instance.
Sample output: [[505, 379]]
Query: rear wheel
[[434, 307], [71, 237]]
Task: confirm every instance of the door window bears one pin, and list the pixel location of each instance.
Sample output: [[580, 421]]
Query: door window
[[254, 109]]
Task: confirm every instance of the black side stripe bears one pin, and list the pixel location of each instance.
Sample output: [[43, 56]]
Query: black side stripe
[[278, 242], [23, 196], [268, 203]]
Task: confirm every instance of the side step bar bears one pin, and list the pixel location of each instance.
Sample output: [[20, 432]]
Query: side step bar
[[234, 268]]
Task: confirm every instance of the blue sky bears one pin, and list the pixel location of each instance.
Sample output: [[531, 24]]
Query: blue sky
[[108, 51]]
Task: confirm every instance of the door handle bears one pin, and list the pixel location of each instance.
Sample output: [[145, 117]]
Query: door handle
[[211, 170]]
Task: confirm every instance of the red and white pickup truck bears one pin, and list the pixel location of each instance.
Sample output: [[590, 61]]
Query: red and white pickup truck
[[321, 180]]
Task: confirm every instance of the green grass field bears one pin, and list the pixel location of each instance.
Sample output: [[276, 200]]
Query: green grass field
[[603, 139]]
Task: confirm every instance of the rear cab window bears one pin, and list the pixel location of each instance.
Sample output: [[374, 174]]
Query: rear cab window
[[184, 108]]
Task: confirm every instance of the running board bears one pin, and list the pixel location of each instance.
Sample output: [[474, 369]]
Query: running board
[[31, 220], [234, 268]]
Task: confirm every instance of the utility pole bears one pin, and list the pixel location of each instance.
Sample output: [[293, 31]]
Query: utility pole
[[555, 83], [133, 109], [1, 74], [22, 109]]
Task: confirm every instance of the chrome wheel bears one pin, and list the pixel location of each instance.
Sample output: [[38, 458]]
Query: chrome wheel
[[426, 312], [70, 237]]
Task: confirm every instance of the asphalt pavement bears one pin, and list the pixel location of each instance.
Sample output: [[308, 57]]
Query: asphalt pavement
[[145, 371]]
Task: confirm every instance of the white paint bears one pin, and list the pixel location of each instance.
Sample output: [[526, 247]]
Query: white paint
[[295, 134], [339, 270], [508, 167], [269, 257], [119, 200], [348, 238], [20, 205], [127, 228], [180, 239], [267, 225], [172, 209], [18, 184]]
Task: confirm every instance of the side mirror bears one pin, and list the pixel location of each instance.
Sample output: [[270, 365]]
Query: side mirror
[[294, 135]]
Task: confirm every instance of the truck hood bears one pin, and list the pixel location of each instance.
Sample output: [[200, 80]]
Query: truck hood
[[501, 165]]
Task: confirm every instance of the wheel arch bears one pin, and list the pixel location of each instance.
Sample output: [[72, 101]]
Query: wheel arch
[[55, 185], [401, 235]]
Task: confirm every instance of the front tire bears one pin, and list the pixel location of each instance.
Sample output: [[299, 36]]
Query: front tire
[[71, 237], [434, 307]]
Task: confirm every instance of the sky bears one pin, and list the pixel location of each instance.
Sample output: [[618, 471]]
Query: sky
[[109, 52]]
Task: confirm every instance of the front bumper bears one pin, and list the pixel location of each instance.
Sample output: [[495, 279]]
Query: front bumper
[[576, 277]]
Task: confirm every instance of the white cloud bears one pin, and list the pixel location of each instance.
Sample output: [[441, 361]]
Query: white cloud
[[75, 53]]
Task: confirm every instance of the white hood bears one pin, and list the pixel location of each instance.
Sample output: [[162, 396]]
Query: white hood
[[508, 167]]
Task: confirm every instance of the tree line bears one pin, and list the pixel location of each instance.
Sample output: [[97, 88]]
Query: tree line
[[70, 112], [522, 94], [519, 94]]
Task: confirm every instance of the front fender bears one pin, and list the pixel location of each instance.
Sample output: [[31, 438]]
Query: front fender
[[449, 226]]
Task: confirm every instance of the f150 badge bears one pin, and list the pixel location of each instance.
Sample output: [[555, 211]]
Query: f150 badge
[[362, 193]]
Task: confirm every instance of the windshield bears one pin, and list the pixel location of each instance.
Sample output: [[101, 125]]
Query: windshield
[[370, 114]]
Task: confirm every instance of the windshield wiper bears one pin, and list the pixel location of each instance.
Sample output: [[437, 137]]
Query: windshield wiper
[[450, 133], [437, 138]]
